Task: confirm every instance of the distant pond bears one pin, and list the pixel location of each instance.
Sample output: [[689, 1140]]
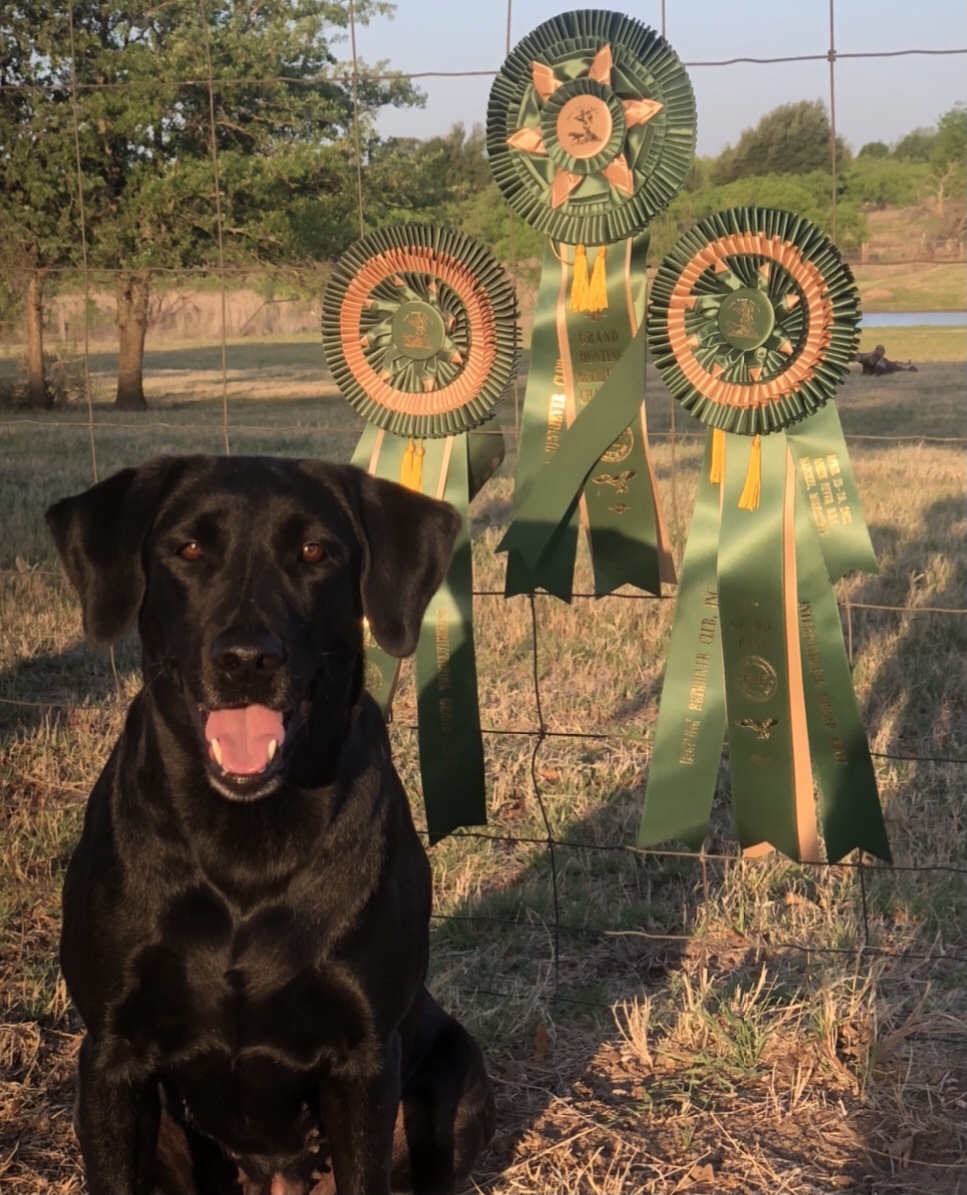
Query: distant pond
[[906, 319]]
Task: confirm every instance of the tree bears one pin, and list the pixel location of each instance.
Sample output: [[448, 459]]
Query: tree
[[874, 149], [282, 118], [885, 182], [948, 164], [38, 190], [809, 195], [791, 139], [915, 146]]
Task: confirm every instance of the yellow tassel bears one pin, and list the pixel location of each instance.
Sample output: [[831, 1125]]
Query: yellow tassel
[[598, 288], [716, 472], [749, 498], [579, 284], [411, 471]]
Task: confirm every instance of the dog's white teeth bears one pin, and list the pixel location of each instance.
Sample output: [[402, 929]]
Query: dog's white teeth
[[216, 750], [273, 747]]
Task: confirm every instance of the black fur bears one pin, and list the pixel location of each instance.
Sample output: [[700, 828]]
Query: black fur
[[248, 952]]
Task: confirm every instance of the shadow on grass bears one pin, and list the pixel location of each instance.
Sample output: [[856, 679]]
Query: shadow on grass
[[916, 697], [912, 668], [582, 1098], [41, 686]]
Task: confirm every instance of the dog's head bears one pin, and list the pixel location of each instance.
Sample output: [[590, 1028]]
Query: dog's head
[[250, 578]]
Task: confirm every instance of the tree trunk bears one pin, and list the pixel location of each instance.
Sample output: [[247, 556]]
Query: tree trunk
[[36, 382], [133, 289]]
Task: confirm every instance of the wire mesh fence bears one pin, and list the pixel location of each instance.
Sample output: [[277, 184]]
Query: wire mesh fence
[[211, 307]]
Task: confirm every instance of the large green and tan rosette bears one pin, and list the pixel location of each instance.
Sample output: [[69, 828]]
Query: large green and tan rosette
[[753, 324], [420, 330], [590, 133], [591, 127]]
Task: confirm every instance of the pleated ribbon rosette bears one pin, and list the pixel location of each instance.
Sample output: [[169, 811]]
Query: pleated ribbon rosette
[[590, 133], [420, 331], [753, 323]]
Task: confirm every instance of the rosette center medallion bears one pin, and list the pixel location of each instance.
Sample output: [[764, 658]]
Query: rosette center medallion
[[584, 126], [418, 331], [746, 319]]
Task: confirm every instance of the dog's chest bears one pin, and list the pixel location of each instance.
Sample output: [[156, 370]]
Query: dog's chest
[[216, 982]]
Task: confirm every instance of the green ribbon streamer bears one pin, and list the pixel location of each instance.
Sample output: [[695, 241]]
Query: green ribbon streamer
[[381, 669], [852, 817], [691, 718], [754, 650], [825, 477], [485, 454], [737, 558], [622, 523], [451, 747], [549, 488], [542, 422], [450, 743]]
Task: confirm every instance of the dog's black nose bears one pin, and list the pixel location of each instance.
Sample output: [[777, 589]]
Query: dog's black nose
[[247, 655]]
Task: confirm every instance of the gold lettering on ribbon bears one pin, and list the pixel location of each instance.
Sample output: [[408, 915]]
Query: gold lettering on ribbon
[[699, 682], [599, 336], [689, 741], [817, 508], [448, 722], [753, 633], [828, 499], [555, 420], [811, 643], [443, 649], [696, 694]]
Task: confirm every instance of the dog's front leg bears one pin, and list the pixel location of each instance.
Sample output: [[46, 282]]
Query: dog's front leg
[[117, 1125], [358, 1115]]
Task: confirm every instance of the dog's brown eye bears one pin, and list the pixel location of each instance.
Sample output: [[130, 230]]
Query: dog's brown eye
[[191, 550], [312, 553]]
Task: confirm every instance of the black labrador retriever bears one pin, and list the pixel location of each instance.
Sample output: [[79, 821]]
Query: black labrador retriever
[[246, 915]]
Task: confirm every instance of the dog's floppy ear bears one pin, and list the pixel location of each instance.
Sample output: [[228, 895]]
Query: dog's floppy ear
[[99, 535], [407, 540]]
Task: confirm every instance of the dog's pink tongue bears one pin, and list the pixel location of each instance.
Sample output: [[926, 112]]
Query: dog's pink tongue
[[242, 738]]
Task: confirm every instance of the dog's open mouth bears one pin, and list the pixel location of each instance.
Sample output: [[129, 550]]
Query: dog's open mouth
[[245, 745]]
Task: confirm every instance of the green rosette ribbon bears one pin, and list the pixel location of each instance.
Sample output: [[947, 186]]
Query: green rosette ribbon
[[420, 331], [753, 324], [590, 133]]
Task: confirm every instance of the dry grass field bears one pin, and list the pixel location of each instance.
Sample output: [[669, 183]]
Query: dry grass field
[[654, 1023]]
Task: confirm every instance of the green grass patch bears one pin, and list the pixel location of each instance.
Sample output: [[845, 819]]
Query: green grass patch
[[930, 286], [919, 344]]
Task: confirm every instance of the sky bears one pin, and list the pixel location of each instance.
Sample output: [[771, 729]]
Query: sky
[[877, 99]]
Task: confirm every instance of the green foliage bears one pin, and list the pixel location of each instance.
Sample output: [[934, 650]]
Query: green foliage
[[916, 146], [791, 139], [282, 118], [489, 218], [874, 149], [885, 182], [950, 143], [809, 195]]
